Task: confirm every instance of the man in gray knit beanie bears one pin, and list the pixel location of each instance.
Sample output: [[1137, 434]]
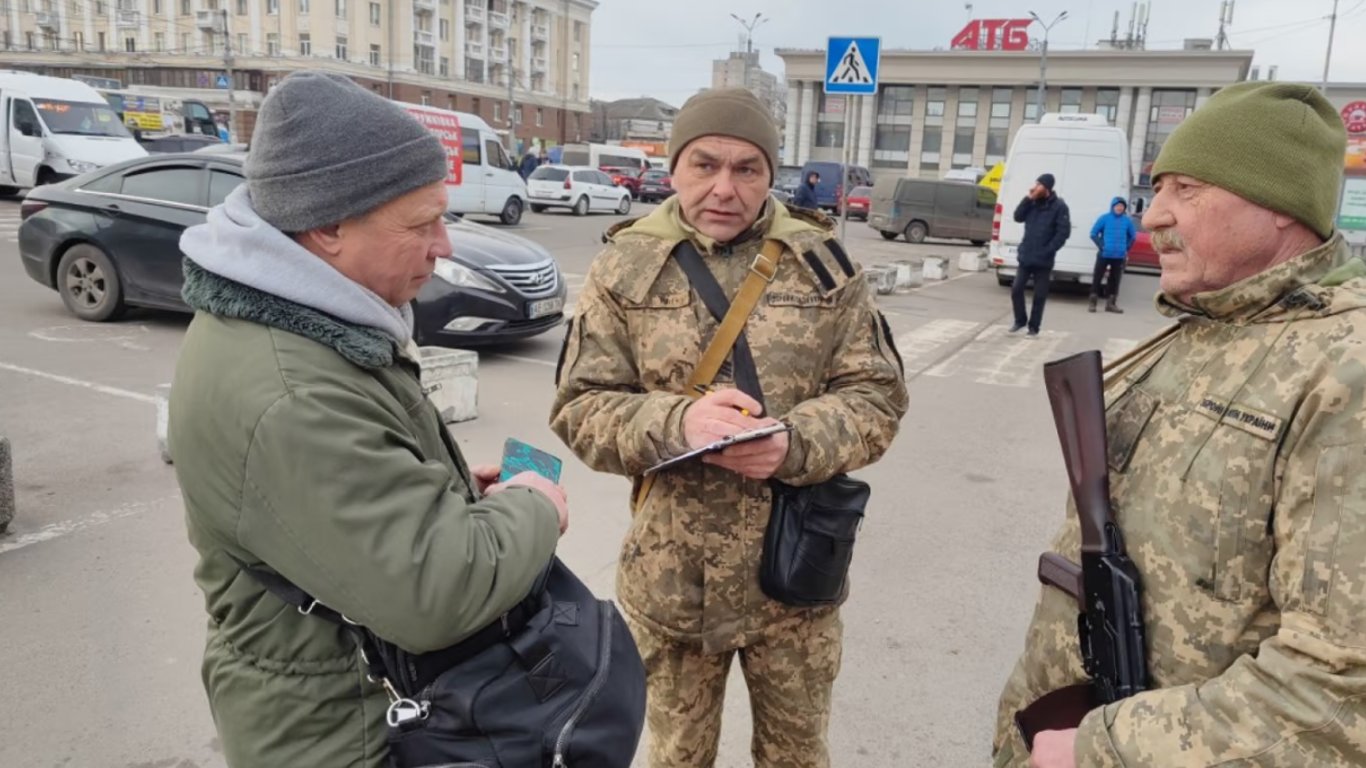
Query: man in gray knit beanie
[[303, 441]]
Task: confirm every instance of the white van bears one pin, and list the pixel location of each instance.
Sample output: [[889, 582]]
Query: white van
[[55, 129], [1089, 158], [482, 178], [605, 156]]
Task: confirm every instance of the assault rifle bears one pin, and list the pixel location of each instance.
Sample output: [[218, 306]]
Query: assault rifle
[[1106, 584]]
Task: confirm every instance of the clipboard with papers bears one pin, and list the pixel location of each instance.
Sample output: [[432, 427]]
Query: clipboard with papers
[[721, 445]]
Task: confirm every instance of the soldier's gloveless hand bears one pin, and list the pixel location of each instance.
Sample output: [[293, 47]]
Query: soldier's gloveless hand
[[1054, 749], [718, 415], [757, 459], [536, 482]]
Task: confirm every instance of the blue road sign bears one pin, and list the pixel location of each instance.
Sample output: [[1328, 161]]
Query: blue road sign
[[851, 65], [222, 82]]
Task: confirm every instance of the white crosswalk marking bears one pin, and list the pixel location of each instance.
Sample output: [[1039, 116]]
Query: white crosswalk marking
[[918, 346], [1002, 359], [9, 225]]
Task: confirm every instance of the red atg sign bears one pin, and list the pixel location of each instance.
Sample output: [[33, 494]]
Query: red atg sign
[[1354, 117], [993, 34], [446, 126]]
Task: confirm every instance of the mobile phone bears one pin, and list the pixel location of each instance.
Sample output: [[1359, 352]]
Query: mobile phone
[[519, 457]]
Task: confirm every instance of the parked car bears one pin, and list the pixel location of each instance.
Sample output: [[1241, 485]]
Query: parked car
[[786, 180], [860, 202], [921, 208], [110, 240], [831, 188], [655, 186], [1142, 257], [183, 143], [626, 178], [580, 189]]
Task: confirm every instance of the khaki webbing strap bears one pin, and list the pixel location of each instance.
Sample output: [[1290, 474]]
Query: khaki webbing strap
[[761, 273]]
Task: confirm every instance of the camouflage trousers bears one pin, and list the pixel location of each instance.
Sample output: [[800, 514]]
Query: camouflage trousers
[[789, 672]]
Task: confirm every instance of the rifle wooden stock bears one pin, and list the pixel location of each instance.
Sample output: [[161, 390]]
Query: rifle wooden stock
[[1057, 571]]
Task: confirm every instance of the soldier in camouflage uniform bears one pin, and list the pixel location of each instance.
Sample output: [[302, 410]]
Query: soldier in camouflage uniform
[[1237, 451], [688, 573]]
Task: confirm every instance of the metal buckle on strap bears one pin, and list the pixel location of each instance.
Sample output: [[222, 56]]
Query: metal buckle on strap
[[308, 609], [764, 268]]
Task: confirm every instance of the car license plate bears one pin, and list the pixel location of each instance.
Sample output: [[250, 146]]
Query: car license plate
[[544, 307]]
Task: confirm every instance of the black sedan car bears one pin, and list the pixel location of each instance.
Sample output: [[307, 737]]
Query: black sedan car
[[110, 240], [655, 185]]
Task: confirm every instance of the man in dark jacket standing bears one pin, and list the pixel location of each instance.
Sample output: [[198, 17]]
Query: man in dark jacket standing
[[529, 164], [1114, 234], [1047, 226], [304, 442], [806, 192]]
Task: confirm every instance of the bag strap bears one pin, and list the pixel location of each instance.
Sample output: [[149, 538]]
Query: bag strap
[[732, 326], [714, 297]]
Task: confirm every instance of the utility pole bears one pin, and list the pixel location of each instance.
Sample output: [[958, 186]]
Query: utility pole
[[227, 61], [1328, 57], [749, 39], [1043, 62]]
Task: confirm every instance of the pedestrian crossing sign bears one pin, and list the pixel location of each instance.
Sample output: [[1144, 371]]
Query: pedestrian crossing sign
[[851, 65]]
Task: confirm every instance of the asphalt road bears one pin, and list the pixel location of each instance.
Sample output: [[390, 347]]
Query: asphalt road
[[101, 626]]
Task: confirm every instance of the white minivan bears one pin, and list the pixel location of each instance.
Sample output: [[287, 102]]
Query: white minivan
[[482, 178], [55, 129], [1089, 158]]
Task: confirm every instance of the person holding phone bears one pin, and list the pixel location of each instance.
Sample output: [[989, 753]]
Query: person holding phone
[[304, 442]]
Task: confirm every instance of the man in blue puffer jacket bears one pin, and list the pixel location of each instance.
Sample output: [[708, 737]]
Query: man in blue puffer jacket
[[1114, 234]]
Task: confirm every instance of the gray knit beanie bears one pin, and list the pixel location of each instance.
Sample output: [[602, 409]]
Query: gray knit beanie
[[731, 112], [325, 150]]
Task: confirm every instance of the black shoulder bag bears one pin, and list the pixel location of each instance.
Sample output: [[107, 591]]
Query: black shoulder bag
[[556, 681], [809, 541]]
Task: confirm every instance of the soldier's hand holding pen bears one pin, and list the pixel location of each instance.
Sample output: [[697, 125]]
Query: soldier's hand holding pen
[[722, 413]]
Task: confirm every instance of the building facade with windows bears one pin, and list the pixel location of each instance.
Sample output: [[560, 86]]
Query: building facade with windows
[[454, 54], [940, 110], [741, 69]]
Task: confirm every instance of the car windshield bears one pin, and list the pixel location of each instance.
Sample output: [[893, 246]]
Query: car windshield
[[654, 175], [549, 174], [79, 118], [788, 177], [860, 191]]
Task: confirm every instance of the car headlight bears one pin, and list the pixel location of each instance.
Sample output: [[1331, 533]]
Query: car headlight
[[462, 276], [81, 166]]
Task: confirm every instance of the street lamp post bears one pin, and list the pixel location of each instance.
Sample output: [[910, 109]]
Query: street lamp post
[[749, 39], [1043, 61]]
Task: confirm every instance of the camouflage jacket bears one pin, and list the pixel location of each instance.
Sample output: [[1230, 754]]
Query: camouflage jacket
[[1237, 451], [826, 362]]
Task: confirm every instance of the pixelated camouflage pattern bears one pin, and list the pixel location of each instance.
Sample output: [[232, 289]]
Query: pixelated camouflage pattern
[[689, 565], [1238, 476], [790, 671]]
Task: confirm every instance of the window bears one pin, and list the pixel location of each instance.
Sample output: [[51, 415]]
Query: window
[[469, 148], [997, 140], [445, 68], [1169, 109], [474, 105], [185, 44], [934, 105], [830, 120], [241, 42], [100, 38], [241, 7], [1107, 103], [829, 134], [173, 185], [341, 9], [25, 113], [220, 184], [497, 112], [517, 115], [28, 37], [963, 137], [967, 106], [445, 29], [896, 101], [305, 44], [496, 156], [375, 14], [273, 44], [578, 31], [930, 144], [340, 52], [422, 58], [576, 62], [185, 8], [474, 70], [540, 118], [158, 41], [130, 45], [376, 56], [303, 7], [892, 146], [1000, 107], [1071, 101], [273, 7], [111, 183], [80, 41], [156, 6], [1031, 105], [426, 98]]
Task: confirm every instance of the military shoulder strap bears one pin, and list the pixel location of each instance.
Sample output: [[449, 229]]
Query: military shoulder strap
[[761, 273]]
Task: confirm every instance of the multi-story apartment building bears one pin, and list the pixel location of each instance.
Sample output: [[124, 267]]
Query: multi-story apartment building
[[741, 69], [454, 54]]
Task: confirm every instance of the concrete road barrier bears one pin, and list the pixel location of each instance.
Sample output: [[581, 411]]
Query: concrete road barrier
[[882, 277], [451, 379], [163, 401], [6, 484], [907, 275], [935, 268], [972, 261]]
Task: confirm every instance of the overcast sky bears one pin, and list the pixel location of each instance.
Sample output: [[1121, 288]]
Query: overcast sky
[[664, 48]]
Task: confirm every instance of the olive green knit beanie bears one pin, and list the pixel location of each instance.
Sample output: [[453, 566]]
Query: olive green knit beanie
[[732, 112], [1279, 145]]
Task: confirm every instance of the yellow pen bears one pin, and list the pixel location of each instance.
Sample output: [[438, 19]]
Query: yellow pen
[[706, 390]]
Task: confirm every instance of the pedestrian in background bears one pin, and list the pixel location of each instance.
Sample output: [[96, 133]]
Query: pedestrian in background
[[806, 192], [304, 443], [528, 165], [1114, 234], [817, 355], [1047, 227], [1237, 458]]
